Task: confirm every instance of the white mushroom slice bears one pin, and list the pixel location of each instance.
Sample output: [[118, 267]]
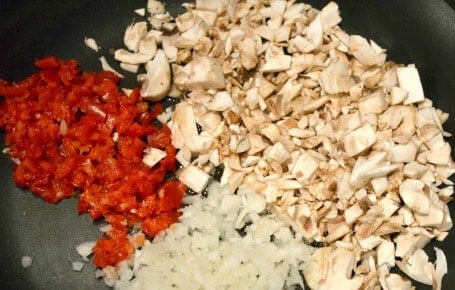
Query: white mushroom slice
[[437, 216], [277, 63], [425, 116], [409, 80], [133, 35], [369, 243], [148, 46], [389, 206], [212, 5], [363, 52], [277, 152], [440, 155], [107, 67], [372, 167], [337, 231], [373, 103], [414, 170], [208, 16], [265, 32], [257, 144], [221, 101], [413, 195], [418, 267], [152, 156], [314, 36], [155, 7], [158, 79], [397, 95], [282, 34], [394, 281], [198, 30], [247, 49], [293, 11], [359, 140], [379, 185], [352, 213], [185, 21], [330, 16], [271, 131], [344, 189], [201, 73], [404, 152], [167, 43], [194, 178], [131, 58], [129, 67], [304, 167], [184, 127], [140, 11], [407, 243], [91, 43], [386, 253], [331, 268], [336, 78], [441, 268]]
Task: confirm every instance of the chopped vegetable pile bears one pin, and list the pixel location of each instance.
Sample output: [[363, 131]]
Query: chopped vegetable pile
[[73, 132], [324, 142]]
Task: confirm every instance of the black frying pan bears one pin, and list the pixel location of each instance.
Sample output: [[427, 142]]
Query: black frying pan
[[419, 31]]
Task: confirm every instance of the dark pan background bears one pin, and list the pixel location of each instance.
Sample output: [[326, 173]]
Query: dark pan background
[[413, 31]]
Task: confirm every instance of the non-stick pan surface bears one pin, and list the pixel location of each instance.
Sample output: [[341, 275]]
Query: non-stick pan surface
[[413, 31]]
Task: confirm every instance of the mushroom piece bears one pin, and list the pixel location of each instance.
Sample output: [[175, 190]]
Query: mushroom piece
[[107, 67], [330, 16], [409, 80], [363, 52], [331, 268], [368, 168], [386, 253], [158, 78], [407, 243], [194, 178], [91, 43], [394, 281], [418, 267], [413, 195], [131, 58], [277, 63], [359, 140], [247, 49], [155, 7], [212, 5], [336, 78], [133, 35], [202, 72], [441, 268]]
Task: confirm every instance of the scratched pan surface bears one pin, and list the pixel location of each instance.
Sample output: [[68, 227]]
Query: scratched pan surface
[[413, 31]]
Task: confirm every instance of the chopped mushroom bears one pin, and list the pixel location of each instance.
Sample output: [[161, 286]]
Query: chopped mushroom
[[133, 35], [201, 73], [194, 178], [91, 43], [158, 79], [331, 268], [409, 80]]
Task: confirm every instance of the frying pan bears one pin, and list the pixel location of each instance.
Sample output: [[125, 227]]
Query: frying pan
[[413, 31]]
